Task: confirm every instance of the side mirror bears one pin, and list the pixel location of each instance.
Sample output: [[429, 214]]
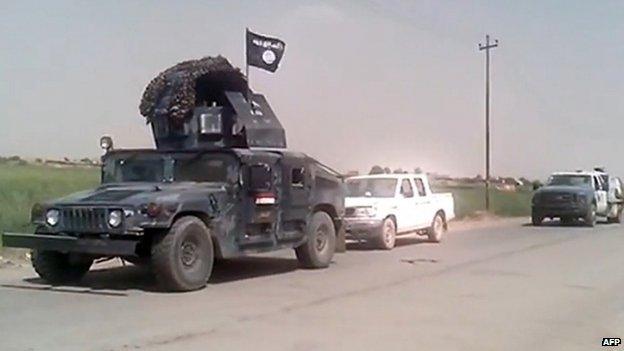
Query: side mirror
[[260, 178]]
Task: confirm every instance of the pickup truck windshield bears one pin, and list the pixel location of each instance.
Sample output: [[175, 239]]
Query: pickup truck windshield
[[571, 180], [371, 187], [169, 167]]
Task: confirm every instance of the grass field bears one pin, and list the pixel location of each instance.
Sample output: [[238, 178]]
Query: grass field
[[469, 200], [21, 186]]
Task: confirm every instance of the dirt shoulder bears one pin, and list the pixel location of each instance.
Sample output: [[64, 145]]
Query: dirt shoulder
[[10, 257], [483, 220]]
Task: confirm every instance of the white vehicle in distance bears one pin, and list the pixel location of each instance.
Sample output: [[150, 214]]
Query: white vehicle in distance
[[380, 207]]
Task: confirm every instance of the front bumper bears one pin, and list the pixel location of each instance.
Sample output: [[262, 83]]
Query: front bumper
[[546, 210], [361, 228], [62, 243]]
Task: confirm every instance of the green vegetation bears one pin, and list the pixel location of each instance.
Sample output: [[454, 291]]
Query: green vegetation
[[469, 200], [21, 186]]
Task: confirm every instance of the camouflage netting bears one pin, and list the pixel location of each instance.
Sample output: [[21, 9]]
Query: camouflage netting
[[178, 90]]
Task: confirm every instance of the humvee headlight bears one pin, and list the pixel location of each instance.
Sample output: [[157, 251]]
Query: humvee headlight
[[114, 218], [52, 217]]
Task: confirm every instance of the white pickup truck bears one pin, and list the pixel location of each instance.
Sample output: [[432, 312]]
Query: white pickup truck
[[380, 207]]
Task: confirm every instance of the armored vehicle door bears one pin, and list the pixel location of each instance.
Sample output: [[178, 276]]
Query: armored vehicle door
[[261, 203], [297, 184]]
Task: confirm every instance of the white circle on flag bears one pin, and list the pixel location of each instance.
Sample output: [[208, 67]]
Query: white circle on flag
[[268, 57]]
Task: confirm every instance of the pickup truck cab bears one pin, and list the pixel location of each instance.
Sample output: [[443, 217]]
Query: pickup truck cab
[[380, 207]]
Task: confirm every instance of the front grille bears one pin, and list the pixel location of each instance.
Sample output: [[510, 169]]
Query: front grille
[[84, 219], [558, 197]]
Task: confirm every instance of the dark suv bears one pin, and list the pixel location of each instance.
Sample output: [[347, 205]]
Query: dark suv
[[573, 195]]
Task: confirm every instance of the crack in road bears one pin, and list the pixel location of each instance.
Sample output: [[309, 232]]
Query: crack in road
[[418, 260]]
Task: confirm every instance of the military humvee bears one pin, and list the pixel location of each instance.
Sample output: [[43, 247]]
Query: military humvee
[[219, 184]]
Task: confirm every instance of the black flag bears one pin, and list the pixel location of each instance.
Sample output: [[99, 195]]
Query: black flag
[[264, 52]]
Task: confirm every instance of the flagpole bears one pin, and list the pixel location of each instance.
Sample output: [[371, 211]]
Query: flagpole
[[247, 69], [248, 83]]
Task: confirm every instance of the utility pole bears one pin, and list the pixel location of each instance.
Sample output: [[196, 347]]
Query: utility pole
[[487, 48]]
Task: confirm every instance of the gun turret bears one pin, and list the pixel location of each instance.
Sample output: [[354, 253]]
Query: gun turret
[[206, 103]]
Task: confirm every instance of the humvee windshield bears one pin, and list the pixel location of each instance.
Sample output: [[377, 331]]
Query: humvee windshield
[[153, 167]]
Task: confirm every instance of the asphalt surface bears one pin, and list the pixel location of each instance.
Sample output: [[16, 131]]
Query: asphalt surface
[[506, 287]]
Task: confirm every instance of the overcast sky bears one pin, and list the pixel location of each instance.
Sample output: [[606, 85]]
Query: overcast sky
[[395, 83]]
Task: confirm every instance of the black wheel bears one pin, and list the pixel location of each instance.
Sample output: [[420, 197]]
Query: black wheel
[[536, 219], [59, 268], [438, 226], [590, 217], [318, 250], [182, 258]]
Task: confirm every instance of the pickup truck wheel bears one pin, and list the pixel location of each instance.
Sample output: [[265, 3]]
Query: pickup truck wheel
[[386, 236], [182, 258], [436, 231], [318, 250], [58, 268], [536, 219], [618, 218], [590, 217], [618, 215]]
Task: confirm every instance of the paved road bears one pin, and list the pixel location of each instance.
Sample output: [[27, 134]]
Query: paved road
[[509, 287]]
